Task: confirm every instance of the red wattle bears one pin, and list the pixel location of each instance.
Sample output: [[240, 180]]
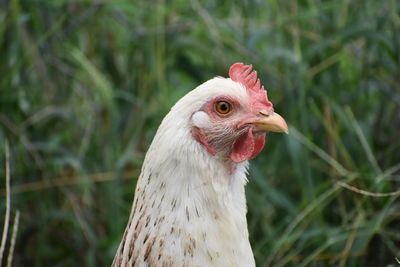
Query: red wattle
[[259, 145], [247, 146]]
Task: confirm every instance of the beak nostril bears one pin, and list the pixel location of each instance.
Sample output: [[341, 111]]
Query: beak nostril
[[264, 112]]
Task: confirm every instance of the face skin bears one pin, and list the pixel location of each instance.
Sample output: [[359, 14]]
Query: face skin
[[224, 127], [234, 126]]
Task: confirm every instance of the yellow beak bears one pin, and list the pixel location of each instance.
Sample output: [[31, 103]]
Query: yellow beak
[[270, 122]]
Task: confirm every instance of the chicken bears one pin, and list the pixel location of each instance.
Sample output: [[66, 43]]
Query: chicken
[[189, 207]]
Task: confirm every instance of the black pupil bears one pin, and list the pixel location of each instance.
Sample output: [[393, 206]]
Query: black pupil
[[223, 107]]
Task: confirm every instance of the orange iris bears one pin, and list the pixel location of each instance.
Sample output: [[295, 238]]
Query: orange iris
[[223, 107]]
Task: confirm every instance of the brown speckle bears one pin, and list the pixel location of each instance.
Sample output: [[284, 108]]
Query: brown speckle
[[188, 249], [173, 203], [161, 219], [139, 228], [123, 241], [159, 203], [148, 249], [131, 248], [162, 185], [209, 255], [187, 213], [216, 216], [147, 220], [145, 238]]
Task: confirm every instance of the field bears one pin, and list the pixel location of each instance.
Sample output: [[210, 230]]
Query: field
[[84, 85]]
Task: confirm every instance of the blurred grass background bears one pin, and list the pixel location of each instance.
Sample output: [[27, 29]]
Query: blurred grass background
[[85, 84]]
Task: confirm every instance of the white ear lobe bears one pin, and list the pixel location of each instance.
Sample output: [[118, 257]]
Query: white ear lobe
[[201, 120]]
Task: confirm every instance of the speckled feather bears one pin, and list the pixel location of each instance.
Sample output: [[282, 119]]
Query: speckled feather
[[189, 209]]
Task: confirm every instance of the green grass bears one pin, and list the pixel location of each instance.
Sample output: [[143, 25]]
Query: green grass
[[84, 85]]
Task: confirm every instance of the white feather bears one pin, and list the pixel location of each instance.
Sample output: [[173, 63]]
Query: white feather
[[186, 199]]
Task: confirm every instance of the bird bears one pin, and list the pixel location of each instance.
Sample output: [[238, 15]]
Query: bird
[[189, 206]]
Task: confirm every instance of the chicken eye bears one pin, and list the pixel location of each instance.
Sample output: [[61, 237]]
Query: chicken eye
[[223, 107]]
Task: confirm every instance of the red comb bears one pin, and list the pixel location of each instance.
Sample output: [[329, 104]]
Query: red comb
[[245, 75]]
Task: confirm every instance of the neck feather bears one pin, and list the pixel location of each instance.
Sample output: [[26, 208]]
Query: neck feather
[[189, 208]]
